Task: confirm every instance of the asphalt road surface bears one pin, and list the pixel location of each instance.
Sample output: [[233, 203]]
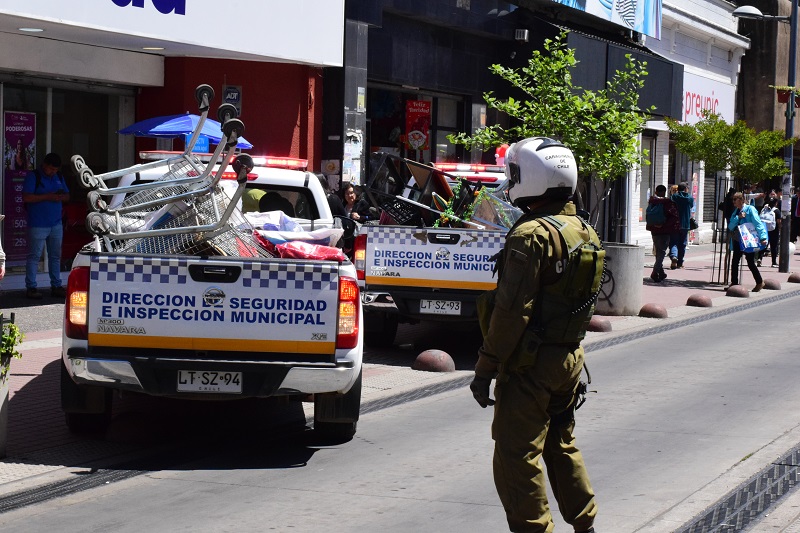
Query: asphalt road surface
[[673, 412]]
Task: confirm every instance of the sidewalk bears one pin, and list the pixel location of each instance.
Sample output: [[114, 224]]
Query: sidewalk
[[40, 446]]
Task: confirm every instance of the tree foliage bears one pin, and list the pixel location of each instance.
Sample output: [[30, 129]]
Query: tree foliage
[[601, 127], [747, 154]]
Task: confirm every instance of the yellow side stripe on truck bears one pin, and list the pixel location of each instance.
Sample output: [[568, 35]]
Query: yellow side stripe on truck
[[231, 345], [438, 284]]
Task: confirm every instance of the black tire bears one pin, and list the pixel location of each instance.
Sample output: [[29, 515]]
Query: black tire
[[87, 409], [380, 329], [226, 112], [87, 423], [336, 415], [204, 94]]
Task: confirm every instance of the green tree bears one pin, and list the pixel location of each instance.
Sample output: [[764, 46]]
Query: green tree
[[601, 127], [747, 154]]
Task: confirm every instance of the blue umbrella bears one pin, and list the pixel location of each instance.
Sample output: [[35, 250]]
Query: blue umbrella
[[178, 126]]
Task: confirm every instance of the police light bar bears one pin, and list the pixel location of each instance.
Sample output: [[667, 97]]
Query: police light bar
[[467, 167], [291, 163], [231, 175]]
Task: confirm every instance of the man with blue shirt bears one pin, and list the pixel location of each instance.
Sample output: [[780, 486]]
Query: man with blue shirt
[[43, 193], [685, 203]]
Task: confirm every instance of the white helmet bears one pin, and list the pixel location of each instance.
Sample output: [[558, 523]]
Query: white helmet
[[540, 167]]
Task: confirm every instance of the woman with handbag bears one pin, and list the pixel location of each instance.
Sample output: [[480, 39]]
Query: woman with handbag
[[748, 237]]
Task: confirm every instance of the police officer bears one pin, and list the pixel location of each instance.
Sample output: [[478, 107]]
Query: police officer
[[549, 275]]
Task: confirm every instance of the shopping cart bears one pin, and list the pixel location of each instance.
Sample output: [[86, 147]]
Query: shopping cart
[[208, 224]]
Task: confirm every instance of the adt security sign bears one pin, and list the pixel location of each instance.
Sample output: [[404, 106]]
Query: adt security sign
[[232, 94]]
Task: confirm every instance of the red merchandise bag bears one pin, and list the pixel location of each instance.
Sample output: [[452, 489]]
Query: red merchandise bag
[[304, 250]]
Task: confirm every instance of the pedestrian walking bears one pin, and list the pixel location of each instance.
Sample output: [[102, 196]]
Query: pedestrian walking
[[542, 305], [771, 217], [795, 226], [43, 193], [680, 239], [745, 213], [661, 226]]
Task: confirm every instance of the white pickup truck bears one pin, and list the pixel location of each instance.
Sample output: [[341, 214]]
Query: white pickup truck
[[409, 269], [216, 328]]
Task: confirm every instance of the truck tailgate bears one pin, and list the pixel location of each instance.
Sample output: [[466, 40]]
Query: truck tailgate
[[219, 304], [431, 257]]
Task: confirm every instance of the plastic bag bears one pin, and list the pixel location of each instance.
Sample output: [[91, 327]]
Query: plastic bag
[[272, 221], [748, 238]]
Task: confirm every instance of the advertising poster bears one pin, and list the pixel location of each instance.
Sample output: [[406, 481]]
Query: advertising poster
[[418, 124], [641, 16], [19, 157]]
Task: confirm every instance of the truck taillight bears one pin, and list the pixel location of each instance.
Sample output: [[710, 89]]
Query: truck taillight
[[77, 305], [360, 255], [347, 327]]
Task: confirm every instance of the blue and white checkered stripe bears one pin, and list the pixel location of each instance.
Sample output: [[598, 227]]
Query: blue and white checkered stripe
[[315, 276], [174, 271], [171, 271], [417, 237]]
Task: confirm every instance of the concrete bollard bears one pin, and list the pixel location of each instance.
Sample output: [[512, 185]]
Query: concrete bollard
[[434, 361], [651, 310], [699, 300]]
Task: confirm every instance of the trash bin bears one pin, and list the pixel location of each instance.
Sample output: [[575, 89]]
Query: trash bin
[[621, 292]]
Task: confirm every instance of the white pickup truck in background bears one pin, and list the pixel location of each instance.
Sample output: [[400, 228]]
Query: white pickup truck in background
[[217, 328], [411, 274], [409, 269]]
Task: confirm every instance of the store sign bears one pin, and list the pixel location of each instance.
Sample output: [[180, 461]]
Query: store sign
[[19, 158], [418, 124], [701, 94], [187, 23], [163, 6], [641, 16], [232, 94]]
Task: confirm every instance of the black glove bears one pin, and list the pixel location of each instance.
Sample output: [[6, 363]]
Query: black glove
[[480, 390]]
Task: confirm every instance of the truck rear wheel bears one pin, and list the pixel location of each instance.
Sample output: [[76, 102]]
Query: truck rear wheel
[[336, 415], [380, 329], [87, 409]]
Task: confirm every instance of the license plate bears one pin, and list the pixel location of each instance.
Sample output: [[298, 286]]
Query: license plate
[[440, 307], [209, 381]]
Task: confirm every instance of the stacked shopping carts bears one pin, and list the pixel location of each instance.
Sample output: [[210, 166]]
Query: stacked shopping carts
[[187, 210]]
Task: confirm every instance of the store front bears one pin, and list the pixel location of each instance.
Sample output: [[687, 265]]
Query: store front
[[80, 73], [41, 118], [415, 124]]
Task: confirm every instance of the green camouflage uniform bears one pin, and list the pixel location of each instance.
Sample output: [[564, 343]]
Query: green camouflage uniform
[[539, 372]]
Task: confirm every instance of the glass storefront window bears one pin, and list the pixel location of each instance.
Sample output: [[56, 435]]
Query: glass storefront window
[[447, 114], [79, 122]]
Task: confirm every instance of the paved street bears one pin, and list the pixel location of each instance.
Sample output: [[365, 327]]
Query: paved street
[[41, 450]]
